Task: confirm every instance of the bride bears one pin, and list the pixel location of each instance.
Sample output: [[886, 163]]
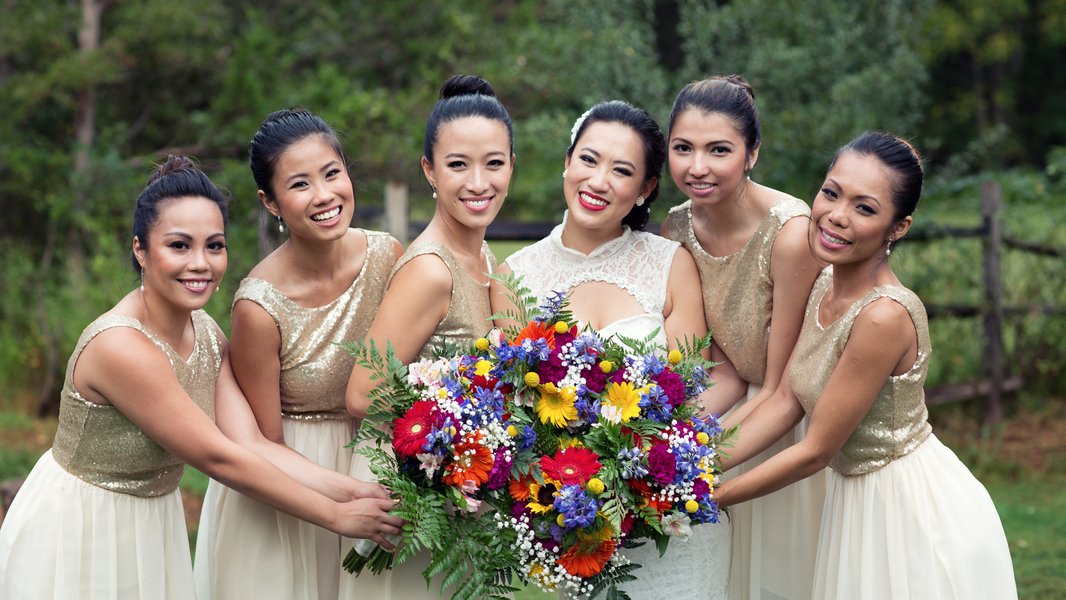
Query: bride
[[623, 280]]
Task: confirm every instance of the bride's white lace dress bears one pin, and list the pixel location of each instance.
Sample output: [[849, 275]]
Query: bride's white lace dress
[[639, 263]]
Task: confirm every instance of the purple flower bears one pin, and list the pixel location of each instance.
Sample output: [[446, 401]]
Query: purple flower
[[661, 464], [552, 369], [672, 386], [501, 471]]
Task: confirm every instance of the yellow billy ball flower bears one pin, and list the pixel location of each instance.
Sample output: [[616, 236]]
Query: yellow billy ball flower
[[606, 366], [561, 327], [482, 344], [674, 356], [703, 438], [532, 379], [512, 431], [596, 486], [692, 506], [560, 521]]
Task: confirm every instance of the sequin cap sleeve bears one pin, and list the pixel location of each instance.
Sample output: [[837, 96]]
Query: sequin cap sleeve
[[468, 309], [99, 445], [314, 369], [898, 420], [738, 291]]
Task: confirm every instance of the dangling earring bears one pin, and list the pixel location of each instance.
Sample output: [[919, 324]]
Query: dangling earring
[[888, 248], [281, 226], [142, 280], [640, 200], [434, 193], [565, 171]]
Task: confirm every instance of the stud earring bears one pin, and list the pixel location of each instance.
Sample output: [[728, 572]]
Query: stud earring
[[640, 200], [281, 225]]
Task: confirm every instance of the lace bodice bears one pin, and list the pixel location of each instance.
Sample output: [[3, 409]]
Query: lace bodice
[[636, 261]]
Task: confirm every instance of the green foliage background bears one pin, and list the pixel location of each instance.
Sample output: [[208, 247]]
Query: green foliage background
[[976, 85]]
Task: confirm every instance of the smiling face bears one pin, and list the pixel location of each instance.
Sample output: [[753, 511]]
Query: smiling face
[[604, 175], [185, 258], [471, 170], [853, 216], [708, 158], [312, 191]]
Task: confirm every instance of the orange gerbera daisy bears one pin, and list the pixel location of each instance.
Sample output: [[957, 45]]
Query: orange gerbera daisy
[[472, 463], [587, 557], [519, 488], [535, 331]]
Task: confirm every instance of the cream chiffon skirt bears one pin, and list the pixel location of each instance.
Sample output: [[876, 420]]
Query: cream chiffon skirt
[[246, 549], [922, 527], [775, 537], [65, 538]]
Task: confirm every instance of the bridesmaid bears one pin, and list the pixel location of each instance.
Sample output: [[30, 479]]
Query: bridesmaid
[[100, 515], [625, 281], [756, 271], [322, 285], [903, 517], [439, 291]]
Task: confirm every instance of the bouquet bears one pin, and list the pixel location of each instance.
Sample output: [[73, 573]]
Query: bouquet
[[444, 450], [612, 450]]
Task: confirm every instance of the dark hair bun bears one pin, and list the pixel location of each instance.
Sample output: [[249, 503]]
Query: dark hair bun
[[173, 164], [739, 81], [463, 85]]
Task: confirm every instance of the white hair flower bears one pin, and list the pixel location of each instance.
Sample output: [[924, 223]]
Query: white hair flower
[[577, 126]]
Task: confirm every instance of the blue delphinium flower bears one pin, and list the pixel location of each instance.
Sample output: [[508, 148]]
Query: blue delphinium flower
[[653, 365], [688, 456], [697, 382], [577, 508], [527, 438], [631, 461], [709, 425], [549, 308], [439, 440], [656, 404]]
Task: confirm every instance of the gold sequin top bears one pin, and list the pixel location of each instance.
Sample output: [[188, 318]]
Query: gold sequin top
[[98, 444], [898, 420], [738, 292], [468, 311], [314, 369]]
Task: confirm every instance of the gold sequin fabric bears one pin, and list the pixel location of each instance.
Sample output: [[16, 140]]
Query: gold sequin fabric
[[898, 420], [98, 444], [468, 310], [738, 291], [314, 368]]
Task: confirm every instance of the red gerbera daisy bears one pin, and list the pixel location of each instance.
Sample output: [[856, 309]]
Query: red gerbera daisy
[[571, 465], [409, 431]]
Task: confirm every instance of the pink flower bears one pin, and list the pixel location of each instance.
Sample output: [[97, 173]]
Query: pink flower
[[672, 386]]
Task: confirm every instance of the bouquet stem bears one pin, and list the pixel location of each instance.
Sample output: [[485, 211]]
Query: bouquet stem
[[367, 554]]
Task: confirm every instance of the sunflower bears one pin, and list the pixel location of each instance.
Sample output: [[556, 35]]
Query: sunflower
[[535, 331], [623, 397], [541, 497], [473, 462], [588, 556], [571, 466], [556, 408], [410, 430]]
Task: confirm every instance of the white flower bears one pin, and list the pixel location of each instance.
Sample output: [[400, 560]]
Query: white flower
[[611, 413], [577, 125], [429, 463], [677, 525], [495, 338]]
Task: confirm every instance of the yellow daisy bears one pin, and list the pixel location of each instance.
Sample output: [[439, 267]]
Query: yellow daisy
[[556, 408], [626, 399]]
